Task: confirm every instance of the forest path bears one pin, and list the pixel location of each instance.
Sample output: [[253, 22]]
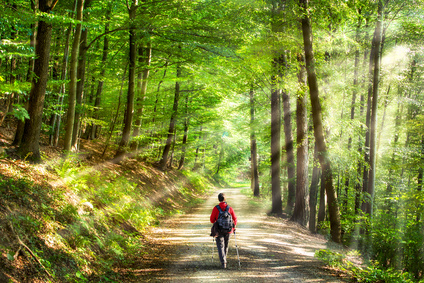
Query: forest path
[[271, 249]]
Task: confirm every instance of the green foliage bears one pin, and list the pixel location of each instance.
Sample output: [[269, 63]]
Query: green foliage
[[371, 273], [19, 112]]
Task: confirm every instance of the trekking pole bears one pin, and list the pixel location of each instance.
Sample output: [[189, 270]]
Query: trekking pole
[[235, 240], [213, 243]]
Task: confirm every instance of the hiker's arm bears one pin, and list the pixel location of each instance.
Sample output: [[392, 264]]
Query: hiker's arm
[[234, 216], [214, 215]]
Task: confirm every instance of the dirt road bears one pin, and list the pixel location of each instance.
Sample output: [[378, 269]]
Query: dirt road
[[271, 249]]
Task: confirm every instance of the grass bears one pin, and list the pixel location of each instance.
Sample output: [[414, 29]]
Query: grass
[[92, 223]]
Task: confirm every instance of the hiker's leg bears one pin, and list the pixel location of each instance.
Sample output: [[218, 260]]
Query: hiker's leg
[[226, 240], [220, 244]]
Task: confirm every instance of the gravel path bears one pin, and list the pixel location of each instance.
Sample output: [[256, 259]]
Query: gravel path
[[271, 249]]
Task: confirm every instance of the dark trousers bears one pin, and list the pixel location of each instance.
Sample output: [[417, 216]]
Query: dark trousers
[[222, 245]]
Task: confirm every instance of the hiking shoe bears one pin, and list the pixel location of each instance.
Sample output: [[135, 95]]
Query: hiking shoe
[[224, 266]]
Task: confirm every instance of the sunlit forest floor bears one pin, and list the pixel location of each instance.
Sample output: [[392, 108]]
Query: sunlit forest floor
[[179, 249], [271, 249]]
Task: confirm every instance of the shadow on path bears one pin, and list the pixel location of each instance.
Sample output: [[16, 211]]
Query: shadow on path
[[271, 249]]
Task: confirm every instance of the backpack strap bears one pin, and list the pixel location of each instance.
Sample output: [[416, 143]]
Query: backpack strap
[[219, 208], [227, 208]]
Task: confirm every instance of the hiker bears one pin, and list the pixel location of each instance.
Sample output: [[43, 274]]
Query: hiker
[[223, 234]]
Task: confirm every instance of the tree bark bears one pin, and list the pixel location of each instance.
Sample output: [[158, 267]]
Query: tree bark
[[183, 149], [145, 59], [253, 147], [375, 61], [288, 147], [30, 141], [333, 206], [70, 116], [172, 123], [313, 193], [353, 104], [129, 112], [275, 140], [300, 208], [30, 74], [97, 102]]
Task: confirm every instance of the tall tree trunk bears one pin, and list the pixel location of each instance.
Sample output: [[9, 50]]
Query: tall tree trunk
[[157, 100], [171, 159], [96, 128], [313, 193], [275, 139], [129, 112], [383, 119], [81, 70], [353, 103], [145, 60], [322, 198], [80, 88], [172, 123], [30, 141], [186, 122], [70, 117], [375, 60], [333, 206], [221, 156], [289, 149], [300, 208], [118, 107], [253, 147], [30, 74]]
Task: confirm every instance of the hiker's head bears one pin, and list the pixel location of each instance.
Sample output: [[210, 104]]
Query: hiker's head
[[221, 197]]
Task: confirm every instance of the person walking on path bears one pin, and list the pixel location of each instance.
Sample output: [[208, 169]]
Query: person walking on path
[[223, 237]]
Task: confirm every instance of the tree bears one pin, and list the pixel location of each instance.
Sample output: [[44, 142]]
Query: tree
[[253, 147], [129, 110], [70, 117], [300, 208], [333, 206], [31, 137], [172, 123]]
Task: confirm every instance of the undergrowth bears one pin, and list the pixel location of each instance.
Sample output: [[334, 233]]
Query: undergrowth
[[92, 224], [372, 272]]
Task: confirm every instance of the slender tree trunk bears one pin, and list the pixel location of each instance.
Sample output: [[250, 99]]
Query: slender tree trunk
[[171, 159], [353, 104], [118, 107], [196, 156], [145, 59], [30, 74], [253, 147], [80, 88], [313, 193], [221, 156], [275, 140], [70, 117], [173, 122], [30, 141], [289, 149], [333, 206], [186, 123], [97, 102], [157, 100], [376, 52], [129, 112], [322, 199], [300, 208]]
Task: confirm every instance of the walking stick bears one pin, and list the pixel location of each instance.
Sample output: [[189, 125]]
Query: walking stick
[[213, 243], [235, 239]]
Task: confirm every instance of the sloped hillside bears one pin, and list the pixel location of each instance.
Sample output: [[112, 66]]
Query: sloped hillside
[[78, 219]]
